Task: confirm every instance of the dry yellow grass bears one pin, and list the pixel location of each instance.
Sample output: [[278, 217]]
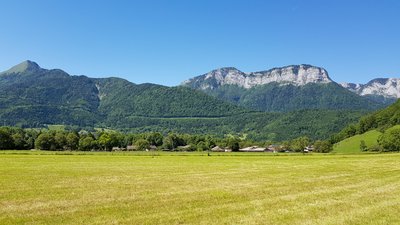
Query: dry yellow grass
[[235, 189]]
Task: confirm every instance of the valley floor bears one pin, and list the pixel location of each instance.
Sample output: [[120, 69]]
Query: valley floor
[[196, 189]]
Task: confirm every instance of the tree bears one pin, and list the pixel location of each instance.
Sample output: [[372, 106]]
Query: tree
[[285, 145], [202, 146], [60, 140], [210, 142], [86, 143], [116, 139], [155, 138], [142, 144], [45, 141], [366, 123], [72, 141], [105, 141], [6, 140], [322, 146], [390, 140], [363, 146], [172, 141], [19, 141], [233, 144], [299, 144]]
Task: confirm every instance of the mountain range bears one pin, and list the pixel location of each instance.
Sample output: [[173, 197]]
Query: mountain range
[[381, 89], [28, 88], [291, 88], [224, 101]]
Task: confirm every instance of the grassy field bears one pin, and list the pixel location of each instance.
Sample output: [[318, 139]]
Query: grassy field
[[352, 144], [195, 189]]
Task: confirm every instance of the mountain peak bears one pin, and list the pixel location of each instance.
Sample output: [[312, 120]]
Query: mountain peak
[[229, 68], [386, 87], [25, 66]]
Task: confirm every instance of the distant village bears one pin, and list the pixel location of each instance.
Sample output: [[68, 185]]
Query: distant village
[[270, 148]]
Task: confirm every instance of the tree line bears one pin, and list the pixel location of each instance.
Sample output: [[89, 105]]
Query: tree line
[[106, 140]]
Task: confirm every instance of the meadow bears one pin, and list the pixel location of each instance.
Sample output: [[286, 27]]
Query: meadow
[[352, 144], [80, 188]]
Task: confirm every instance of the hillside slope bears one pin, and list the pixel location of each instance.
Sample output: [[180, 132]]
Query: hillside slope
[[31, 96], [381, 120], [352, 144]]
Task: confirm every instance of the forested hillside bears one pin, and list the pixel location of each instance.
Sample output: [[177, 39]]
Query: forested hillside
[[285, 98], [281, 89], [121, 98], [34, 97], [316, 124], [31, 96], [381, 120]]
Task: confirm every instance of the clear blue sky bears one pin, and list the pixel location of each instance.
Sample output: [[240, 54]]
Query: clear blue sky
[[166, 42]]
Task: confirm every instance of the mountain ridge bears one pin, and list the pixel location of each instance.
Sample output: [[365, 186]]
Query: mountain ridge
[[294, 74], [288, 88], [386, 87]]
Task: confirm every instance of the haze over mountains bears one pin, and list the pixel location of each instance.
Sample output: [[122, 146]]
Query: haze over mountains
[[314, 105]]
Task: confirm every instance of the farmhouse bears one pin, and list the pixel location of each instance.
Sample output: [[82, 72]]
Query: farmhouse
[[253, 149], [217, 149], [183, 148], [118, 149], [131, 147], [308, 149], [274, 148]]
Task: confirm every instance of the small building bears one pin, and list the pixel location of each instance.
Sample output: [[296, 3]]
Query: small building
[[131, 148], [218, 149], [274, 148], [118, 149], [184, 148], [252, 149], [309, 148]]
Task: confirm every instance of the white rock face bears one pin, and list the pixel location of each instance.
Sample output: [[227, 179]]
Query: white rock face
[[386, 87], [295, 75], [351, 86]]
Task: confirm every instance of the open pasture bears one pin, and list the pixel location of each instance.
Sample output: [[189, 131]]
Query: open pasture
[[196, 189]]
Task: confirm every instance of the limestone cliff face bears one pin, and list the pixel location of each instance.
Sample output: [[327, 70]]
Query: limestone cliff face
[[296, 75], [386, 87]]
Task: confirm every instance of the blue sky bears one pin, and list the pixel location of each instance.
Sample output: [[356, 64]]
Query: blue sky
[[169, 41]]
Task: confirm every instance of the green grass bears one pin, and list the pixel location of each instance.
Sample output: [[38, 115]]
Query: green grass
[[195, 189], [352, 144]]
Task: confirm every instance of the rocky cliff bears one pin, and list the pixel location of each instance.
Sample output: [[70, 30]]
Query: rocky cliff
[[386, 87], [296, 75]]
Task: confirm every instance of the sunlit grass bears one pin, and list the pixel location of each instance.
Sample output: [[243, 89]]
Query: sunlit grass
[[352, 144], [196, 189]]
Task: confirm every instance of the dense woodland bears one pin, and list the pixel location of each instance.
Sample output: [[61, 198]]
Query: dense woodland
[[380, 120], [107, 140], [276, 97]]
